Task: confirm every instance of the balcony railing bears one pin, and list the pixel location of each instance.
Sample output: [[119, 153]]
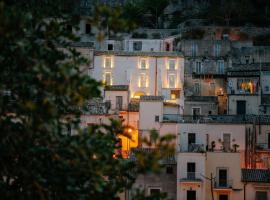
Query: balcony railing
[[191, 176], [223, 184], [195, 148], [230, 119], [262, 146]]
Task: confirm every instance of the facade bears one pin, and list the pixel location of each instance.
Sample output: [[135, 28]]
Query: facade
[[206, 63]]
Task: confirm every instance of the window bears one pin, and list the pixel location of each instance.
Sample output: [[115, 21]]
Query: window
[[169, 170], [143, 81], [175, 94], [87, 28], [171, 80], [154, 191], [172, 65], [167, 46], [217, 49], [261, 195], [223, 197], [110, 47], [137, 46], [191, 168], [266, 88], [247, 58], [247, 86], [119, 102], [156, 118], [194, 49], [108, 78], [108, 62], [222, 178], [196, 89], [198, 67], [226, 141], [191, 194], [220, 64], [143, 64]]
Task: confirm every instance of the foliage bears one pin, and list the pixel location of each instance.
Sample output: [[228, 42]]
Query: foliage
[[39, 84]]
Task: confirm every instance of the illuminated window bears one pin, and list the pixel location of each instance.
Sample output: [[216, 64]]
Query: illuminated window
[[172, 64], [171, 80], [175, 94], [220, 64], [108, 78], [108, 62], [247, 86], [143, 80], [143, 64]]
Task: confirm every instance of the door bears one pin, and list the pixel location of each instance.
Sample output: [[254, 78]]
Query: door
[[226, 141], [191, 195], [191, 141], [222, 177], [196, 112], [191, 168], [241, 107], [119, 102], [223, 197]]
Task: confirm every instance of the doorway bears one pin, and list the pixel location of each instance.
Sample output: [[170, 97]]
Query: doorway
[[191, 194], [241, 107]]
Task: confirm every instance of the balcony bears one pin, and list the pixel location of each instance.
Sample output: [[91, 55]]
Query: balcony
[[262, 147], [191, 177], [227, 119], [193, 148], [223, 184]]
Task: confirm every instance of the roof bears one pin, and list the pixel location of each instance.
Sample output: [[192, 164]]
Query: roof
[[256, 175], [151, 98], [252, 69], [139, 53]]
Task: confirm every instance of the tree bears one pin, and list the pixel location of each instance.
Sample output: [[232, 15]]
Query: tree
[[41, 93]]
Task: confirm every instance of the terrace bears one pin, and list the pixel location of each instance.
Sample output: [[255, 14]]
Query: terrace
[[224, 119]]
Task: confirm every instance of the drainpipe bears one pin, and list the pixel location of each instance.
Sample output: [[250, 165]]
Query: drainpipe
[[245, 191], [156, 78]]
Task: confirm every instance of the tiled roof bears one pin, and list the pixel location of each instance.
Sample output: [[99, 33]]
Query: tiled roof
[[139, 53], [256, 175]]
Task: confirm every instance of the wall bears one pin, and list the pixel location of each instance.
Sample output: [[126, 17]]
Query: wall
[[182, 187], [252, 104], [125, 71], [231, 161]]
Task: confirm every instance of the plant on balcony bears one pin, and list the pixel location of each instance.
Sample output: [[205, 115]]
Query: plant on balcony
[[235, 146], [213, 146]]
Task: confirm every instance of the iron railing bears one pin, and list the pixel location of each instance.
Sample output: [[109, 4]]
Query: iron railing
[[223, 183], [230, 119], [191, 176]]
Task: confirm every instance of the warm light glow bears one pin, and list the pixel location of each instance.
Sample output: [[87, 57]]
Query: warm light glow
[[108, 62], [143, 63]]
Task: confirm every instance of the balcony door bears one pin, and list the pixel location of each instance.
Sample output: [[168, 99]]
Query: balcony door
[[119, 102], [226, 141], [191, 195], [191, 141], [191, 168], [223, 197], [241, 107], [223, 178]]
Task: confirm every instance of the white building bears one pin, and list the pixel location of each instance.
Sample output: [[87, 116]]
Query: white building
[[146, 73]]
